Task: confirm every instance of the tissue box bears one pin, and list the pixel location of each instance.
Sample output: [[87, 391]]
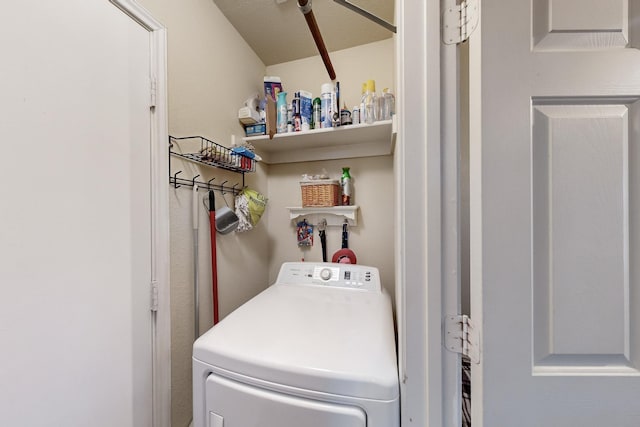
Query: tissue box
[[255, 130], [247, 116]]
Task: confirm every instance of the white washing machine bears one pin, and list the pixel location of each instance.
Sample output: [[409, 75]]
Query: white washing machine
[[315, 349]]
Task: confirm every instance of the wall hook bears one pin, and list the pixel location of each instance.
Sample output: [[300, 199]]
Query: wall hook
[[209, 184], [175, 180], [193, 181], [222, 186]]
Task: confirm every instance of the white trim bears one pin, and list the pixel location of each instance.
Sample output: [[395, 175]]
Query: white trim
[[161, 339], [451, 225], [418, 213], [139, 14], [475, 209]]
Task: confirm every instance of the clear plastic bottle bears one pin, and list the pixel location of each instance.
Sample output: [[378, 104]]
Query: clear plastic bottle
[[362, 98], [355, 115], [388, 105], [370, 103]]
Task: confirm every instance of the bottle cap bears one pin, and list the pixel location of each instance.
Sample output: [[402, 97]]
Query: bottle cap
[[326, 88], [371, 85]]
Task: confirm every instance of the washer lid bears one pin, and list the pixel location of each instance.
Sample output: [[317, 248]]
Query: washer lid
[[331, 340]]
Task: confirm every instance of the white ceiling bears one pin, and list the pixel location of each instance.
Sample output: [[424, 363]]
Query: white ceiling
[[277, 31]]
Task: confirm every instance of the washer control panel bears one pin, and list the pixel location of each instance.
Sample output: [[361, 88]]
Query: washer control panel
[[350, 276]]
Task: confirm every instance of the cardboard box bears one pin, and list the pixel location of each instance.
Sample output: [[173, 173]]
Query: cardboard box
[[271, 118]]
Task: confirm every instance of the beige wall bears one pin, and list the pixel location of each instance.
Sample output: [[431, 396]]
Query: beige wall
[[211, 72], [372, 240], [352, 66]]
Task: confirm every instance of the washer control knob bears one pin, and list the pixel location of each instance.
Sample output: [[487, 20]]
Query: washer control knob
[[325, 274]]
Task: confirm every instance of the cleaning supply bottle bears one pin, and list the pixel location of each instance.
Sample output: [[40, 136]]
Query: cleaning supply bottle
[[370, 102], [295, 107], [281, 108], [326, 98], [335, 105], [346, 187], [317, 114]]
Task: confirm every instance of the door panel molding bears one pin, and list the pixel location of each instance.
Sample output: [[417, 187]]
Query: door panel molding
[[580, 237], [561, 25]]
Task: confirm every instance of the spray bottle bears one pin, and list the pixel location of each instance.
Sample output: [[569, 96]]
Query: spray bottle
[[281, 108], [346, 187]]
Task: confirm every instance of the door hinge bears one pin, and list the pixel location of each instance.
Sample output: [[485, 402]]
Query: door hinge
[[459, 21], [154, 295], [154, 92], [460, 336]]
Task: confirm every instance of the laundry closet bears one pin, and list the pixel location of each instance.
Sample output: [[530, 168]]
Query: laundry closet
[[211, 71]]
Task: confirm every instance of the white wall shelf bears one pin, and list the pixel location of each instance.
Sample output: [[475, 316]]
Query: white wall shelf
[[335, 215], [344, 142]]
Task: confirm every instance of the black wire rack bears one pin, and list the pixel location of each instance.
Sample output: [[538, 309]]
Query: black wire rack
[[213, 154]]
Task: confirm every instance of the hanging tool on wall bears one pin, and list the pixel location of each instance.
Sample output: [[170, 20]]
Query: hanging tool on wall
[[322, 227], [304, 234], [196, 281], [214, 259], [305, 8], [345, 255]]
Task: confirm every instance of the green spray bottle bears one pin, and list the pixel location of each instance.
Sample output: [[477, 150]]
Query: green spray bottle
[[346, 187]]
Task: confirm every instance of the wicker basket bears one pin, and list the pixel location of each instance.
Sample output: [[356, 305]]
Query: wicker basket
[[320, 193]]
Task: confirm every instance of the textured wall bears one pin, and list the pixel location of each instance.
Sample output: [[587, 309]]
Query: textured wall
[[211, 72]]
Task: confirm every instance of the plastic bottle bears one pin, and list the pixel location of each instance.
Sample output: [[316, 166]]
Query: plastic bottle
[[335, 106], [389, 104], [370, 100], [317, 114], [295, 108], [355, 115], [326, 98], [281, 108], [362, 98], [345, 116], [346, 187]]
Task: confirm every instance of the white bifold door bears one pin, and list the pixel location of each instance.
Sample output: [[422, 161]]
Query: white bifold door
[[555, 213]]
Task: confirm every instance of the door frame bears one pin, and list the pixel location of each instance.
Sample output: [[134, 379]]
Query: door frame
[[426, 127], [159, 136]]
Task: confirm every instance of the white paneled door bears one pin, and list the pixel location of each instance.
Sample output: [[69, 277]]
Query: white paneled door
[[77, 216], [555, 213]]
